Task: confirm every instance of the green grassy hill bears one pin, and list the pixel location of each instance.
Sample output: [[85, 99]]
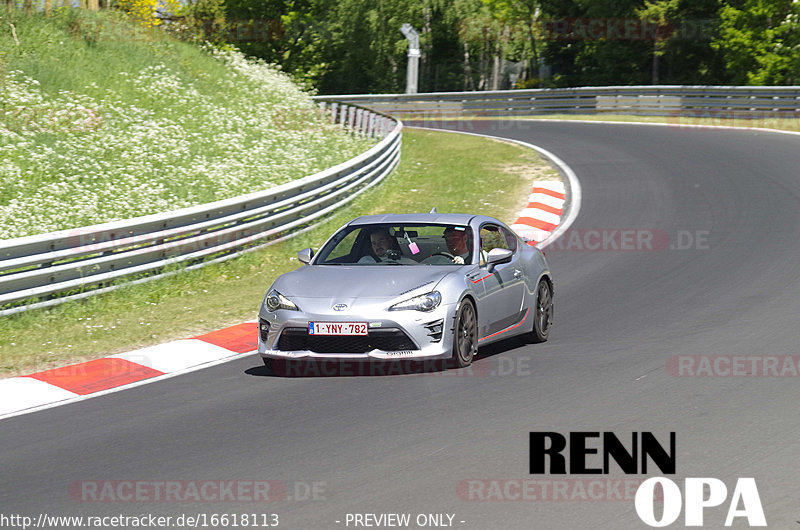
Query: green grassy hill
[[103, 120]]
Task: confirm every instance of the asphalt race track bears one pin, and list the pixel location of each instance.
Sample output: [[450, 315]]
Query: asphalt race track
[[728, 202]]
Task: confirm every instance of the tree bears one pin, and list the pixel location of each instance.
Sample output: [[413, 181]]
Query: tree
[[520, 28], [758, 41]]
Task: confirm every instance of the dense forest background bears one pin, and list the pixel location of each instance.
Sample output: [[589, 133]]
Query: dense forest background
[[355, 46]]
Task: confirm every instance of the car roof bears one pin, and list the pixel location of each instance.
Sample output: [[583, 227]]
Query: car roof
[[432, 218]]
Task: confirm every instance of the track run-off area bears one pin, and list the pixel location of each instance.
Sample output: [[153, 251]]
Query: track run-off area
[[677, 292]]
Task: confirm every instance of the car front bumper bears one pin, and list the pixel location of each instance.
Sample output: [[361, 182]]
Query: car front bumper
[[392, 335]]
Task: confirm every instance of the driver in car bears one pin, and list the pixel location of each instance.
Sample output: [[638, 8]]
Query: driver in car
[[385, 247], [456, 239]]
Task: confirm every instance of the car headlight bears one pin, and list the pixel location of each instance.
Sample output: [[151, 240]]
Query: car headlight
[[424, 302], [275, 300]]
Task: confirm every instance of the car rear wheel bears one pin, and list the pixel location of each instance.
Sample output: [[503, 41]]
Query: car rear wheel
[[465, 339], [543, 313]]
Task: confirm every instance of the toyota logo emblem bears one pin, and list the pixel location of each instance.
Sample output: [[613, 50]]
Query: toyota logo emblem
[[340, 307]]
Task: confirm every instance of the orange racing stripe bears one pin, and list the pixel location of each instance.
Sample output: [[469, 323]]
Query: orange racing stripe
[[545, 191], [546, 208], [97, 375], [535, 223], [240, 338]]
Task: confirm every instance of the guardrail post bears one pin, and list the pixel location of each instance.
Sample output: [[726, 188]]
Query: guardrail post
[[334, 106], [351, 117], [359, 128]]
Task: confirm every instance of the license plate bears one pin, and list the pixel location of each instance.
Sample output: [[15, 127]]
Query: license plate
[[337, 328]]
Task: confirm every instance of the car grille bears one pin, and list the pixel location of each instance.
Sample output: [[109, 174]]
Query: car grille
[[390, 339]]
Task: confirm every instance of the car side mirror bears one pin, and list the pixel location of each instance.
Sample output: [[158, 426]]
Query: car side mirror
[[497, 256], [305, 255]]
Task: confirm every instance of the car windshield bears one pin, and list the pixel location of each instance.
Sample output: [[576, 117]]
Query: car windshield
[[408, 244]]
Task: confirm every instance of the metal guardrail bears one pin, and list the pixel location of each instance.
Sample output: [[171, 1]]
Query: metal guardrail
[[695, 101], [48, 269]]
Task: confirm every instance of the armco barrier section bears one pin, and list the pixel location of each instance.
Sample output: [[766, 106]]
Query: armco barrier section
[[695, 101], [46, 269]]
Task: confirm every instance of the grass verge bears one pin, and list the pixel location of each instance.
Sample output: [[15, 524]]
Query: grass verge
[[455, 173], [95, 127]]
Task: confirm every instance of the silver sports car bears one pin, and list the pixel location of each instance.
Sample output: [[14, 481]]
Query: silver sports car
[[410, 286]]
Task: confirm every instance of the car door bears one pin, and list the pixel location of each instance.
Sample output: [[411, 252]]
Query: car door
[[504, 287]]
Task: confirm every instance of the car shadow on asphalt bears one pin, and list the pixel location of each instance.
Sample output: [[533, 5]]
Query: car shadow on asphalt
[[486, 362]]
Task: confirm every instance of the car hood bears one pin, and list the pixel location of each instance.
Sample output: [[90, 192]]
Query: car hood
[[382, 281]]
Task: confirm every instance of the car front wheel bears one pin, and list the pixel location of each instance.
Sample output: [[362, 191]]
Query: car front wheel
[[543, 313], [465, 339], [269, 364]]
